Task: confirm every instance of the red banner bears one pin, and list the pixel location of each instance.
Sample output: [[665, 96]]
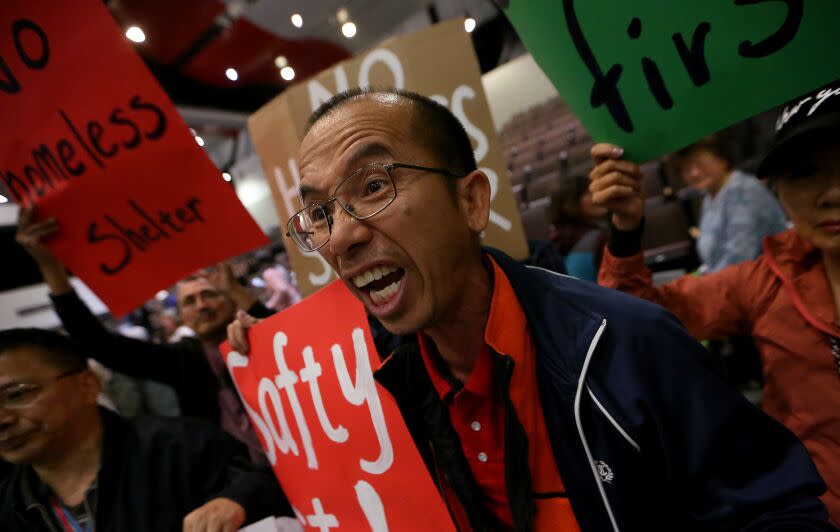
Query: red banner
[[334, 436], [92, 140]]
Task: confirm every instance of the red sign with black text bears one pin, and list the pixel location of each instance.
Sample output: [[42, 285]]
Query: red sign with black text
[[92, 140], [334, 436]]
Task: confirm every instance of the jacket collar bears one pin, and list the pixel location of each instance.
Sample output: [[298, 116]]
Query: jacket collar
[[735, 177], [799, 267], [507, 330], [505, 333], [564, 328], [554, 305], [561, 326]]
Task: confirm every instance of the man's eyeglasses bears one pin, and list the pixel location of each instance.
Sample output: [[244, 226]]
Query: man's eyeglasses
[[21, 395], [363, 194]]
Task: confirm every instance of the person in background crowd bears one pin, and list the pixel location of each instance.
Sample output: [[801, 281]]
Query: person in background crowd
[[788, 299], [577, 228], [538, 402], [283, 292], [193, 367], [738, 210], [173, 330], [131, 396], [79, 467]]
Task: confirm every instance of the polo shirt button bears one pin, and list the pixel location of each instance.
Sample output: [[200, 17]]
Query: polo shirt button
[[482, 457], [475, 425]]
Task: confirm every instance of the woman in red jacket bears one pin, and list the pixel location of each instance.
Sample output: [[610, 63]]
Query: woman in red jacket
[[788, 299]]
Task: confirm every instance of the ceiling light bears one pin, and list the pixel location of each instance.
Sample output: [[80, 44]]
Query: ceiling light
[[469, 24], [226, 176], [348, 29], [199, 140], [280, 61], [342, 16], [287, 73], [135, 34], [232, 74], [297, 20]]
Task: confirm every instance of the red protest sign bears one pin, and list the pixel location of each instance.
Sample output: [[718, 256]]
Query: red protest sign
[[93, 141], [334, 436]]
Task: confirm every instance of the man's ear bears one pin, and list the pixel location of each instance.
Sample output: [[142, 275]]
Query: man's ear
[[89, 386], [473, 192]]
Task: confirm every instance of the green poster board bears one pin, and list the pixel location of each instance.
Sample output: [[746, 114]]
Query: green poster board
[[655, 75]]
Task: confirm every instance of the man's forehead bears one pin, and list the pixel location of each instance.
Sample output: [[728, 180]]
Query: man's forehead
[[349, 136], [22, 363], [366, 108], [192, 286], [380, 103]]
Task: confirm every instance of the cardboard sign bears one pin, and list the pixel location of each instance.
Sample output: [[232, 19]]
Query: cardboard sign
[[438, 62], [335, 437], [653, 76], [93, 141]]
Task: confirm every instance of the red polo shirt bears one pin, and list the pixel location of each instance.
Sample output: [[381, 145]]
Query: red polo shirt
[[478, 413]]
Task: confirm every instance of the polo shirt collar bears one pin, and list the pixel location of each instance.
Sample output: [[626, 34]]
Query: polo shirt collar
[[506, 333]]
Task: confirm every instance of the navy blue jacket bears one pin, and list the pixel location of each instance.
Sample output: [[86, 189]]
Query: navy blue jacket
[[645, 435]]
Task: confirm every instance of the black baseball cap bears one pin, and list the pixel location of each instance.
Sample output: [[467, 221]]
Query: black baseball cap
[[816, 113]]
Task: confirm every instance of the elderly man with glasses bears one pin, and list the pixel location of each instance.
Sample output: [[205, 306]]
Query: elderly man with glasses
[[78, 467], [192, 366], [537, 401]]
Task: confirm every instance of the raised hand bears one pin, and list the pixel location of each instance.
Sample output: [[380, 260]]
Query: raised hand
[[617, 186], [31, 236]]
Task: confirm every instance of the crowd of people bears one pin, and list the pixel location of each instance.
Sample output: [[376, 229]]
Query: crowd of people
[[787, 299], [537, 401]]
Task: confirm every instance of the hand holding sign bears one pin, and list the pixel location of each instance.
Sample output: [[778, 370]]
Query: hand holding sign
[[237, 332], [334, 436], [221, 514], [31, 235], [617, 186], [99, 148]]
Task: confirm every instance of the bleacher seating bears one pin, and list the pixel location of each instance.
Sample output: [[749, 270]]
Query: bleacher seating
[[652, 184], [547, 144], [536, 219], [542, 145], [543, 186]]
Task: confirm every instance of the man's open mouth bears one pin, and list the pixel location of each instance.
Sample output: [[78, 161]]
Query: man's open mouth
[[380, 282]]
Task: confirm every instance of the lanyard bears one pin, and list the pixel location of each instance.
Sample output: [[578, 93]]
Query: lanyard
[[68, 522], [835, 350]]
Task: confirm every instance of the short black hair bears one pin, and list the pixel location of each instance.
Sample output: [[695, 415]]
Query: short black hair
[[432, 124], [56, 349], [719, 144]]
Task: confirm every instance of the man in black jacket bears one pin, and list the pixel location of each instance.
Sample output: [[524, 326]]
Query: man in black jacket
[[76, 466], [193, 367]]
